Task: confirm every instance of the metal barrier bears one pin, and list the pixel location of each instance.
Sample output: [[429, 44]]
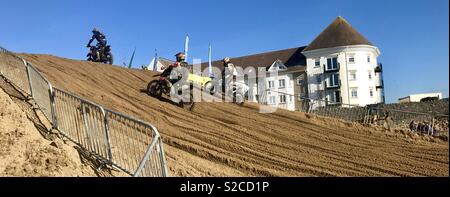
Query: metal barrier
[[129, 144], [40, 90], [14, 69], [115, 139], [353, 113]]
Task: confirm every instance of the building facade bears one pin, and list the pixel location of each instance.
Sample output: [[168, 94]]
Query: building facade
[[419, 97], [342, 67]]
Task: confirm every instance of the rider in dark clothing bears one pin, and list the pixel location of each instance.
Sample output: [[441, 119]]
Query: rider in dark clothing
[[99, 36], [175, 71]]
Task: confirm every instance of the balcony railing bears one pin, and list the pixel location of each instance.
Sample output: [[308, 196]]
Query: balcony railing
[[379, 68], [333, 86], [332, 69]]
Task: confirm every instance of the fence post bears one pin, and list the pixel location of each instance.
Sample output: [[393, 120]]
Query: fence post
[[147, 154], [86, 126], [28, 76], [52, 106], [105, 122], [162, 158]]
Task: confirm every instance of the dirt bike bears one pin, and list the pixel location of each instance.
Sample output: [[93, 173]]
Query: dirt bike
[[237, 91], [178, 92], [100, 54]]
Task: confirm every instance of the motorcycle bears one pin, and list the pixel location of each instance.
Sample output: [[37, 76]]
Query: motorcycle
[[237, 91], [178, 92], [100, 54]]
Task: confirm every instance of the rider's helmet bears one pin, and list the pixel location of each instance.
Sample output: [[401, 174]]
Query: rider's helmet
[[95, 30], [226, 60], [181, 57]]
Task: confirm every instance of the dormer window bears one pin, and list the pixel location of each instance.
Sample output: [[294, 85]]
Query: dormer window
[[278, 65]]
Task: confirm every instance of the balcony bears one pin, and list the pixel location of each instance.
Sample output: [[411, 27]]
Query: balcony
[[332, 69], [379, 68], [335, 86], [380, 86]]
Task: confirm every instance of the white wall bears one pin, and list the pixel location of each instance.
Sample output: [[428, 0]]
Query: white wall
[[288, 91], [360, 66], [418, 97]]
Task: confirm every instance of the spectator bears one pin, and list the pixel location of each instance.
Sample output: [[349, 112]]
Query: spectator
[[413, 126]]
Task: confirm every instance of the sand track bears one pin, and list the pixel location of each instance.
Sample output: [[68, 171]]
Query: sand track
[[220, 139]]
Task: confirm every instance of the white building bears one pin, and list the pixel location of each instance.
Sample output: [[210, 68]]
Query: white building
[[342, 67], [418, 97]]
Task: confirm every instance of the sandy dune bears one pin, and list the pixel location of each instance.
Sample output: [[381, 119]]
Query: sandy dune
[[24, 151], [220, 139]]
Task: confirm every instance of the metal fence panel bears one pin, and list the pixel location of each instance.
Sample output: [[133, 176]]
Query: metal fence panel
[[14, 69], [153, 164], [129, 139], [83, 122], [40, 90]]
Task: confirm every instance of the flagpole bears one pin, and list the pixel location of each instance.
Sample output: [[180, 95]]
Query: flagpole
[[132, 57], [186, 47], [155, 63], [209, 61]]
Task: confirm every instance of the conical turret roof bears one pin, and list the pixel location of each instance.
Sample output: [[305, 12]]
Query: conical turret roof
[[338, 33]]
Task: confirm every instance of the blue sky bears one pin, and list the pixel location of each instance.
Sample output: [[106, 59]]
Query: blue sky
[[413, 35]]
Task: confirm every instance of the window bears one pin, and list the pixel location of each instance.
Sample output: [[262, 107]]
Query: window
[[281, 83], [351, 59], [370, 75], [317, 62], [334, 97], [368, 59], [354, 92], [337, 96], [272, 100], [282, 99], [334, 80], [332, 63], [371, 92], [299, 81], [271, 84], [352, 75]]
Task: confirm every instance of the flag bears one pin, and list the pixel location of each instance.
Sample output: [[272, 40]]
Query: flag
[[132, 57], [209, 61], [186, 46], [155, 61]]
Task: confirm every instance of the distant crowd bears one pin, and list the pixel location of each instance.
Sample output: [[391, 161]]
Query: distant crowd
[[422, 127]]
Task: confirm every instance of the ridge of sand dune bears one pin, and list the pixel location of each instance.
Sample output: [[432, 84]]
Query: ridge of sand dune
[[220, 139], [24, 152]]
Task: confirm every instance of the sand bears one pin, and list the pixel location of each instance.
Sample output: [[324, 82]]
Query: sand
[[25, 152], [222, 139]]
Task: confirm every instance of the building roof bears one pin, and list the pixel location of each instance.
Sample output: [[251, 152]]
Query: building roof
[[289, 57], [165, 62], [338, 33]]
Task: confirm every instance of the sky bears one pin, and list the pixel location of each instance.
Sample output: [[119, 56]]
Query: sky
[[412, 35]]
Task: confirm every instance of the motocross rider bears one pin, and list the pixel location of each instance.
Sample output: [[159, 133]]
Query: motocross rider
[[228, 74], [175, 71], [99, 36]]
